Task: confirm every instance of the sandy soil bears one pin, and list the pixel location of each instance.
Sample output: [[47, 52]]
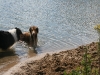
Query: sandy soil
[[56, 63]]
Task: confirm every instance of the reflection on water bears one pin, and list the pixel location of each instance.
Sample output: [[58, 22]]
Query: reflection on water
[[7, 53], [63, 24]]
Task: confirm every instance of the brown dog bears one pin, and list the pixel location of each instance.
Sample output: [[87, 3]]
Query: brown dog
[[31, 37]]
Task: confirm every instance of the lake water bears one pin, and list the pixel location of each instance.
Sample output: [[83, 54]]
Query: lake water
[[63, 25]]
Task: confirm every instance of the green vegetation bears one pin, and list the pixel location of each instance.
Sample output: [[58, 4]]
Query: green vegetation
[[97, 27]]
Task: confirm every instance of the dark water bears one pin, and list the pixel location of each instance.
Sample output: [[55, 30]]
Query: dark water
[[63, 24]]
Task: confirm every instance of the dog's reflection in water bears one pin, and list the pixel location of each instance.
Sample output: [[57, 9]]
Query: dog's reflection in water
[[8, 52], [11, 53]]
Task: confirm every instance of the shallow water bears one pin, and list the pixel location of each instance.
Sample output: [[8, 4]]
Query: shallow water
[[63, 24]]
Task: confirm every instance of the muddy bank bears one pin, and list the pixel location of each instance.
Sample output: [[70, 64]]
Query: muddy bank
[[56, 63]]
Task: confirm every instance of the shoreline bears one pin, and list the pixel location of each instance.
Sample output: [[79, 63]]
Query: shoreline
[[55, 63]]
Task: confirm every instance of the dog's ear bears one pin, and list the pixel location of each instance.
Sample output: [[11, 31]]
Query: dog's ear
[[37, 30], [30, 29]]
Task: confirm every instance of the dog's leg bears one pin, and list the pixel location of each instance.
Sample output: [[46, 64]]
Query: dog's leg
[[33, 41]]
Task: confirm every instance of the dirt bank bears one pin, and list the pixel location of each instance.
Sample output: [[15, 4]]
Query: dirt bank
[[56, 63]]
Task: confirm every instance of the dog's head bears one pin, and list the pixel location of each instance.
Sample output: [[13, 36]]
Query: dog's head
[[33, 30]]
